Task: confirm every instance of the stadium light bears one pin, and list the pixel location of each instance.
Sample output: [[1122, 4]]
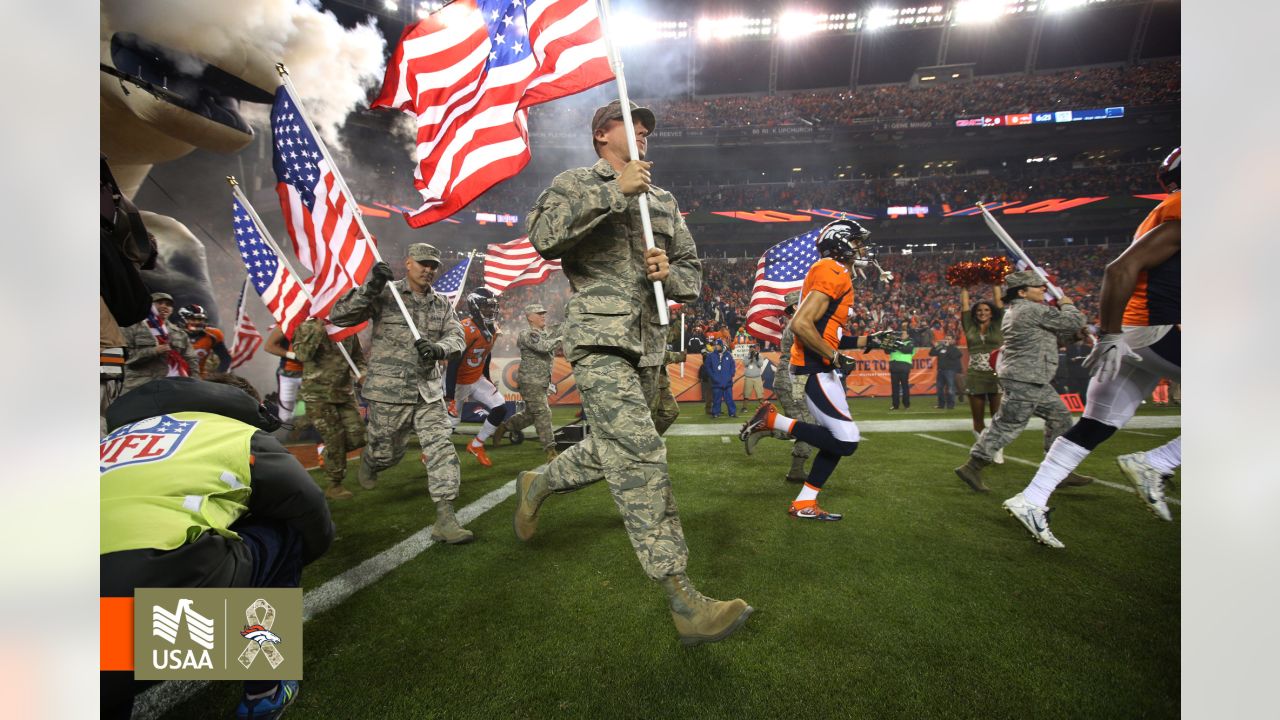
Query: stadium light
[[972, 12], [1060, 5], [878, 17], [725, 28], [797, 24]]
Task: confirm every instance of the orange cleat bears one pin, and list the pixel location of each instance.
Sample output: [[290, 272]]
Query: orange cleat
[[481, 455], [810, 511]]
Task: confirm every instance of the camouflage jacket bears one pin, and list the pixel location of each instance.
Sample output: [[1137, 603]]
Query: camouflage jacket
[[537, 348], [584, 220], [396, 373], [788, 339], [144, 358], [674, 353], [1031, 331], [326, 376]]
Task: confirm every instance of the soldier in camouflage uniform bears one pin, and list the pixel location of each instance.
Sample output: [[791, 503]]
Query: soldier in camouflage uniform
[[146, 357], [331, 401], [404, 389], [793, 404], [589, 219], [537, 345], [664, 407], [1026, 365]]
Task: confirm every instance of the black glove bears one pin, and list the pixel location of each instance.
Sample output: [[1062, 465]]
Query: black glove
[[882, 339], [843, 363], [428, 350], [379, 276]]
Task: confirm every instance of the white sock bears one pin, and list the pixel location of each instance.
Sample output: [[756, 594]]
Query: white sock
[[1063, 457], [808, 492], [783, 424], [1166, 458], [486, 431]]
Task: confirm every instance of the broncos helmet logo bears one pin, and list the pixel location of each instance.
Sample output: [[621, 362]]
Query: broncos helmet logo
[[260, 635]]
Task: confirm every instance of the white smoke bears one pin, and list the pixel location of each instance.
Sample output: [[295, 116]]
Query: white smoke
[[331, 67]]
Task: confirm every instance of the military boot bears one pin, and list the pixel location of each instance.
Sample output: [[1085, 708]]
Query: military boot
[[552, 454], [447, 529], [971, 473], [797, 474], [531, 490], [1075, 479], [700, 619], [335, 491], [367, 476], [499, 432]]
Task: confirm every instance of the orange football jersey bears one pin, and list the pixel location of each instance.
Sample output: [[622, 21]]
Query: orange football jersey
[[831, 279], [1157, 296], [475, 354]]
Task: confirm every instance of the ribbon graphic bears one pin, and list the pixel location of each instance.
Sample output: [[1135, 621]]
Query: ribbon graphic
[[261, 639]]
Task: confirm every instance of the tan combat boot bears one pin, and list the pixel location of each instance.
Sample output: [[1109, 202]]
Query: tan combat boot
[[531, 490], [797, 474], [700, 619], [447, 529], [971, 473], [367, 476], [335, 491], [499, 432], [552, 454], [1075, 479]]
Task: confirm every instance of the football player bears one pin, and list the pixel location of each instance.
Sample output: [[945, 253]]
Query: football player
[[204, 339], [825, 306], [469, 374], [1141, 343]]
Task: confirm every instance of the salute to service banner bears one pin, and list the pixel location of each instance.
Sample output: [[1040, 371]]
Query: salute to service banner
[[869, 379]]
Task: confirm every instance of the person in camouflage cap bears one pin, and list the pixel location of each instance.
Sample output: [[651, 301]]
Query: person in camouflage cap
[[156, 347], [537, 352], [327, 389], [791, 397], [404, 388], [1026, 365], [589, 219]]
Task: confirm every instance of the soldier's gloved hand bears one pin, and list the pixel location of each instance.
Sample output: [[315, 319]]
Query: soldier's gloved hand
[[379, 276], [428, 350], [843, 362], [635, 177], [1106, 357]]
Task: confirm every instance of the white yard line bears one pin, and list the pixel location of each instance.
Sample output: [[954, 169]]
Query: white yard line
[[1020, 461], [162, 698]]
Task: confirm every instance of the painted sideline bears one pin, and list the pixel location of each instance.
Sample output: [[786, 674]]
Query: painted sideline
[[1149, 422]]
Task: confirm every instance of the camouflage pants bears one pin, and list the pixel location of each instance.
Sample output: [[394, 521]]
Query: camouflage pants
[[624, 449], [784, 386], [389, 425], [341, 429], [1021, 401], [536, 411], [664, 407]]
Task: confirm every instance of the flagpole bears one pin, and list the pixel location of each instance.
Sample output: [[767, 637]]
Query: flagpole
[[683, 347], [462, 284], [235, 336], [615, 63], [262, 230], [1008, 241], [346, 191]]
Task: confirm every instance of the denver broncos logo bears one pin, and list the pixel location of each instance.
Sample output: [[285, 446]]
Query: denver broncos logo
[[260, 635]]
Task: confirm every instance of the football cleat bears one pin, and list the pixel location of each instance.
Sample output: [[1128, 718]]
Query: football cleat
[[811, 511], [1147, 481], [481, 455], [761, 421], [271, 707], [1034, 518]]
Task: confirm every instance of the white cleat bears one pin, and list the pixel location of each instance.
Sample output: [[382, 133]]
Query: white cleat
[[1147, 481], [1034, 518]]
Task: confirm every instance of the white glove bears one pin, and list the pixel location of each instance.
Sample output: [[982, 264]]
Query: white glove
[[551, 389], [1110, 351]]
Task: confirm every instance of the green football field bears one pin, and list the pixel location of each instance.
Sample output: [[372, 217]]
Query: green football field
[[926, 601]]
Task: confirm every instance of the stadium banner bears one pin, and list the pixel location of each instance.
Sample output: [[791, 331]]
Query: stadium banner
[[869, 379]]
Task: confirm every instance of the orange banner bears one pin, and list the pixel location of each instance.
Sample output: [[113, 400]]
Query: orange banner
[[869, 379], [115, 633]]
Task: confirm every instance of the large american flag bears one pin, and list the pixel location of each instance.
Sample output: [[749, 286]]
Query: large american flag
[[469, 71], [515, 263], [320, 219], [781, 270], [451, 283], [245, 339], [279, 289]]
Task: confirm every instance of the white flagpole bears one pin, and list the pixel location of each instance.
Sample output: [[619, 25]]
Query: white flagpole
[[471, 256], [262, 230], [342, 185], [683, 347], [1008, 241], [235, 335], [615, 62]]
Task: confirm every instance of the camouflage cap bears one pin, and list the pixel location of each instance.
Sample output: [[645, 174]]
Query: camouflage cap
[[613, 111], [161, 296], [1023, 278], [534, 309], [422, 252], [792, 298]]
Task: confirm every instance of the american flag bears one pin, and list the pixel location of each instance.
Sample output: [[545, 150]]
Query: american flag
[[781, 270], [246, 339], [320, 220], [469, 71], [451, 283], [279, 289], [515, 263]]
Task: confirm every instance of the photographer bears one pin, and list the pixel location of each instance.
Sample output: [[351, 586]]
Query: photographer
[[753, 375]]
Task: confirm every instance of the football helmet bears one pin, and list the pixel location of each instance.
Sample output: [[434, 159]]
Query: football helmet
[[482, 305], [193, 317], [842, 241], [1169, 174]]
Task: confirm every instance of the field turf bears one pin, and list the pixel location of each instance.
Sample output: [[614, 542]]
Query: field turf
[[926, 601]]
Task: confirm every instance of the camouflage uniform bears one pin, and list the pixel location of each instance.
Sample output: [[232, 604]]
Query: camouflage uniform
[[327, 391], [612, 338], [793, 404], [1025, 367], [144, 358], [664, 407], [402, 390], [534, 377]]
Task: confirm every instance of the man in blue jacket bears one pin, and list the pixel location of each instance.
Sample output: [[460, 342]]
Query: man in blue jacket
[[721, 367]]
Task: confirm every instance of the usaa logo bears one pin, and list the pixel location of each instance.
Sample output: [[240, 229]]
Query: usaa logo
[[144, 441], [168, 626]]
